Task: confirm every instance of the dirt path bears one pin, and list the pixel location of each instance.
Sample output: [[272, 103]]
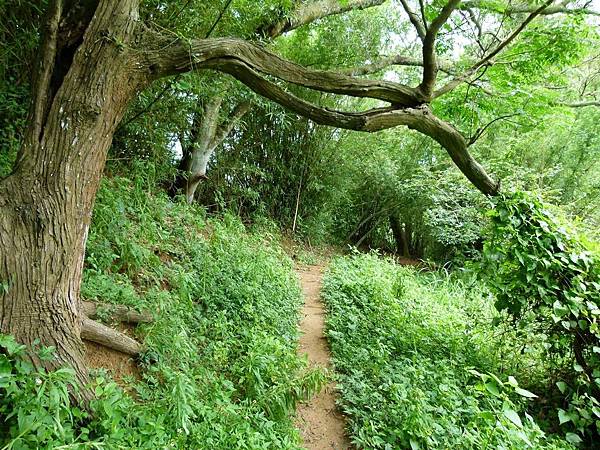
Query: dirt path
[[319, 422]]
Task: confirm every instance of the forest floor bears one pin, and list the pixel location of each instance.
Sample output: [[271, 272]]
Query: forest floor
[[319, 421]]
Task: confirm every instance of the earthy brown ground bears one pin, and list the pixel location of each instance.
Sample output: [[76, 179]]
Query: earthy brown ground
[[320, 423], [118, 364]]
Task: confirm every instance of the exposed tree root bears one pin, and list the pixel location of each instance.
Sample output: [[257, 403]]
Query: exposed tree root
[[99, 333], [109, 337], [116, 312]]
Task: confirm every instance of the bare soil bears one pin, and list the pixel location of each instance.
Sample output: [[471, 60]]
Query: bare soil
[[118, 364], [319, 421]]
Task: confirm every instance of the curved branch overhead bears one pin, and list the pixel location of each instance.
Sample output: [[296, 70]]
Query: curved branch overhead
[[418, 118], [408, 106], [210, 53]]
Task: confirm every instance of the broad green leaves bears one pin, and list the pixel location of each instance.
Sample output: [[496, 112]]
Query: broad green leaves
[[544, 274]]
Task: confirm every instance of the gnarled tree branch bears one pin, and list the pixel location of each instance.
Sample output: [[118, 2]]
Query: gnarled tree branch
[[524, 8], [418, 118], [310, 11], [211, 53]]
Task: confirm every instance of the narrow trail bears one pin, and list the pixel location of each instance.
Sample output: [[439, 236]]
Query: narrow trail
[[320, 423]]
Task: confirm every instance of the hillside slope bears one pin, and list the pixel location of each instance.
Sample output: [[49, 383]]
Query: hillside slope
[[220, 369]]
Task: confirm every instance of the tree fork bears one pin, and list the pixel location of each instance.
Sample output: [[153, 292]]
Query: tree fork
[[46, 203]]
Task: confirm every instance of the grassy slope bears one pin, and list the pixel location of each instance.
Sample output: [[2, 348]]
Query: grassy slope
[[414, 353], [221, 370]]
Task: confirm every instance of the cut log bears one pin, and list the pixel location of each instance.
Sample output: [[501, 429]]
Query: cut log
[[116, 312], [109, 337]]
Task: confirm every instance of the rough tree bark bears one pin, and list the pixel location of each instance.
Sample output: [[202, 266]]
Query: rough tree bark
[[96, 56], [84, 82]]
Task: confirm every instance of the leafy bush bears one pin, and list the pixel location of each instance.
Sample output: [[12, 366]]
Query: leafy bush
[[546, 275], [221, 369], [417, 358]]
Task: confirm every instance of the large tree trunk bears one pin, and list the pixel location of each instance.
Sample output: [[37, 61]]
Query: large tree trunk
[[46, 203]]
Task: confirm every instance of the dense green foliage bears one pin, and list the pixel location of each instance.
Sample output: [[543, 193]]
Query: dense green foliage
[[399, 176], [424, 360], [421, 364], [19, 38], [341, 186], [546, 275], [221, 369]]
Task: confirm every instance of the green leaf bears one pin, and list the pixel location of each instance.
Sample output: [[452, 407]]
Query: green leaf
[[11, 346], [573, 438], [559, 309], [525, 393], [524, 438], [492, 388], [563, 416], [488, 416], [5, 365], [562, 386], [513, 416]]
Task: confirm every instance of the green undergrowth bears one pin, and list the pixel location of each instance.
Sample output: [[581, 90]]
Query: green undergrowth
[[220, 370], [423, 363]]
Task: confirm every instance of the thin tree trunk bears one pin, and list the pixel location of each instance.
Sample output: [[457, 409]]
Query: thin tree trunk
[[399, 233], [206, 136], [409, 237], [185, 164]]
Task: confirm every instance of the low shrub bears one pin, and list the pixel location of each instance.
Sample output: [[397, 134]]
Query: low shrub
[[221, 369], [420, 363]]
